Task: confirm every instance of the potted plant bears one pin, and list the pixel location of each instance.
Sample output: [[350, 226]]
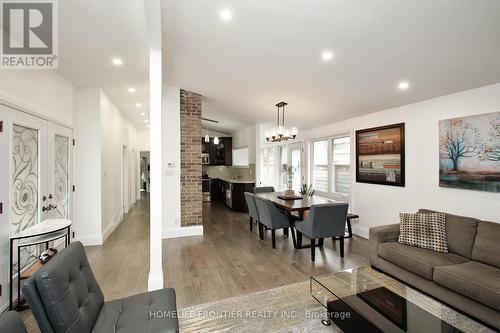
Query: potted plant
[[306, 190], [288, 171]]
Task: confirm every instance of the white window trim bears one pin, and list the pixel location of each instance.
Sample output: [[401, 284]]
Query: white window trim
[[329, 193]]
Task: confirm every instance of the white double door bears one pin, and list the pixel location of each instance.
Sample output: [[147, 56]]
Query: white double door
[[35, 176]]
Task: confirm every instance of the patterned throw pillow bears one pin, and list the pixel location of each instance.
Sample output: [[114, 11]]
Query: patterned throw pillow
[[427, 231]]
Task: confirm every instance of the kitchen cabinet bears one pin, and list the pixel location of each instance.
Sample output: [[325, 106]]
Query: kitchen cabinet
[[219, 154], [238, 198], [231, 193]]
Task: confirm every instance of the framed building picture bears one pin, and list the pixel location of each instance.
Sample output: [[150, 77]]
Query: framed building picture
[[380, 155]]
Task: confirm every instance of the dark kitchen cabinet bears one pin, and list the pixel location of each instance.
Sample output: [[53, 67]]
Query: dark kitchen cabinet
[[238, 197], [221, 153]]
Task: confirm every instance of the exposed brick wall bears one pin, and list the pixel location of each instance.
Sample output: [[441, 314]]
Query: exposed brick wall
[[191, 131]]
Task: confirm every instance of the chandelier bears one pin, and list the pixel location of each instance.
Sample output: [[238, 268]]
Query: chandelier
[[280, 133]]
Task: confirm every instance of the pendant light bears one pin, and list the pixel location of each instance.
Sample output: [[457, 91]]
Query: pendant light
[[280, 133]]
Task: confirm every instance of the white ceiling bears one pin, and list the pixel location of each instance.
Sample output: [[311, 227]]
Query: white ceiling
[[91, 34], [271, 51]]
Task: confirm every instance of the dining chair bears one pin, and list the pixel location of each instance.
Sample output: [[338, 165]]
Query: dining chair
[[271, 217], [323, 221], [263, 189], [252, 208]]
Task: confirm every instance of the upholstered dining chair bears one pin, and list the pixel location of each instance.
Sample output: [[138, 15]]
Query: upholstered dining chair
[[271, 217], [323, 221], [263, 189], [252, 208]]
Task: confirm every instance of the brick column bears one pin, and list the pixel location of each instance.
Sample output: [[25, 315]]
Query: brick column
[[191, 131]]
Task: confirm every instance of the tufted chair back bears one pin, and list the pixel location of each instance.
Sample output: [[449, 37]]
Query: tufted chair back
[[64, 295]]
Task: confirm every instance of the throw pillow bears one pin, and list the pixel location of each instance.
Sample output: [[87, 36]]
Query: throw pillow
[[427, 231]]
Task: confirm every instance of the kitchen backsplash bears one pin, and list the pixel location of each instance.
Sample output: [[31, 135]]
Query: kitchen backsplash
[[230, 172]]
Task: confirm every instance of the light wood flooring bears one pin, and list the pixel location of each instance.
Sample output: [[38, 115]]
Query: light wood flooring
[[227, 261]]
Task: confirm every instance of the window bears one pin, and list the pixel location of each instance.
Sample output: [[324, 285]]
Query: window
[[320, 166], [284, 160], [331, 170], [297, 164], [268, 164], [341, 165]]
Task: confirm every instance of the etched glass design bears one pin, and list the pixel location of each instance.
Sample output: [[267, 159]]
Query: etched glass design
[[24, 207], [61, 177]]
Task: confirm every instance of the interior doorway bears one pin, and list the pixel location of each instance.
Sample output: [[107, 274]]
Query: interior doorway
[[124, 180], [145, 172]]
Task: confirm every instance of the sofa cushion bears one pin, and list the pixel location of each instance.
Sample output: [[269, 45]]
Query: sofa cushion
[[148, 312], [427, 231], [71, 296], [472, 279], [487, 245], [460, 232], [417, 260]]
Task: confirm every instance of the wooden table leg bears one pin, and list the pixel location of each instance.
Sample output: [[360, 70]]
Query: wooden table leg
[[349, 228]]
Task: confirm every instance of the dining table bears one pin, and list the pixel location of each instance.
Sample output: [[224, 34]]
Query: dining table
[[300, 205]]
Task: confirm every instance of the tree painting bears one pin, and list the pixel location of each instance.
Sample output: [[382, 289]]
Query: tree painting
[[469, 152], [491, 149]]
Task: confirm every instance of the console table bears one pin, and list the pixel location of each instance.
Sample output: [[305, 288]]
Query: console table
[[41, 233]]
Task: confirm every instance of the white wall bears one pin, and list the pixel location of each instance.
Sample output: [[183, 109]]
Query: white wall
[[244, 138], [101, 130], [143, 139], [171, 138], [42, 92], [87, 170], [116, 132], [378, 204], [172, 153]]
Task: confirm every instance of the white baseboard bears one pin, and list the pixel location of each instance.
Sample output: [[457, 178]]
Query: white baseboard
[[111, 227], [182, 232], [89, 240], [155, 281], [360, 231]]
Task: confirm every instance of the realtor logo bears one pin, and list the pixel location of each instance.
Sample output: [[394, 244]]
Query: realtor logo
[[29, 34]]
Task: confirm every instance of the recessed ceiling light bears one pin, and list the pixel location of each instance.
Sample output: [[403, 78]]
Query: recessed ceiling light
[[117, 62], [143, 114], [131, 90], [138, 105], [146, 120], [403, 85], [226, 15], [327, 55]]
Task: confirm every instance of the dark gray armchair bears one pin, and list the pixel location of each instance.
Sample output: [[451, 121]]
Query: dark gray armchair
[[64, 296], [263, 189], [252, 208], [326, 220], [11, 322], [271, 217]]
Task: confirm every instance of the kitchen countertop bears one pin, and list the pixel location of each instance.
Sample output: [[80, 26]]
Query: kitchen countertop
[[236, 181]]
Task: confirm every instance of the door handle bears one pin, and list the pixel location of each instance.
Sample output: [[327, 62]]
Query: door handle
[[49, 207]]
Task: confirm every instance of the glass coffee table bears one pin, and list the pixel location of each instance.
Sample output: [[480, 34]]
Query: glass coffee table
[[363, 300]]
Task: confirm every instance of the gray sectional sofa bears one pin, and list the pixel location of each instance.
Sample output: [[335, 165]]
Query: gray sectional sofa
[[467, 278]]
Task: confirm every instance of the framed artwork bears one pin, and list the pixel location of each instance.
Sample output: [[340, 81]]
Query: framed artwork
[[469, 152], [380, 155]]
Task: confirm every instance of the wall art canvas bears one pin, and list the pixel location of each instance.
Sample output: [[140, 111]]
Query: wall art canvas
[[469, 154], [380, 155]]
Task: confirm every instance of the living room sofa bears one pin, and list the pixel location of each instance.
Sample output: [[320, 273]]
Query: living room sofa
[[466, 278]]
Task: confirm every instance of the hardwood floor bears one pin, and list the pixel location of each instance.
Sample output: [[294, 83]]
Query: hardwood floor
[[227, 261]]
